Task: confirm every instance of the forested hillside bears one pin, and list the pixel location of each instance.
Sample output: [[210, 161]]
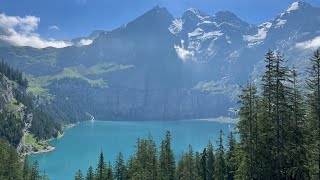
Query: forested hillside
[[18, 114], [279, 134], [19, 118]]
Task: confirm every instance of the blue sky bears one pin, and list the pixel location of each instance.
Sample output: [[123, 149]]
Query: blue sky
[[74, 18]]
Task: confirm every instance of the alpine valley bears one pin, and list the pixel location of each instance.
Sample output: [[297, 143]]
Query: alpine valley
[[158, 67]]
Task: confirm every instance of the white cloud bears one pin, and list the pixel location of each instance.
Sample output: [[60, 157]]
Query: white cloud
[[26, 24], [20, 31], [53, 27], [311, 44], [84, 42], [182, 53]]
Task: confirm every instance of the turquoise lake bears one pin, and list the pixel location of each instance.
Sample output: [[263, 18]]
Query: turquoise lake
[[80, 146]]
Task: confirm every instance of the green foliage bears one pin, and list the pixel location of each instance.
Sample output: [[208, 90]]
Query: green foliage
[[314, 114], [12, 74], [44, 126], [9, 162], [167, 159], [231, 159], [79, 175], [90, 174], [120, 168], [15, 115], [26, 168], [10, 127], [34, 173], [275, 142], [187, 166], [220, 164]]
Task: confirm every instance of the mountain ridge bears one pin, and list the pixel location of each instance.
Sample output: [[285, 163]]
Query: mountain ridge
[[161, 67]]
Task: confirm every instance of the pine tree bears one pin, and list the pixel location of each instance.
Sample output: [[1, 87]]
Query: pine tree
[[296, 131], [197, 160], [9, 162], [220, 166], [79, 175], [267, 122], [187, 166], [144, 164], [34, 174], [101, 168], [210, 160], [90, 174], [231, 161], [120, 168], [26, 168], [282, 116], [203, 165], [167, 159], [109, 172], [314, 113], [249, 132]]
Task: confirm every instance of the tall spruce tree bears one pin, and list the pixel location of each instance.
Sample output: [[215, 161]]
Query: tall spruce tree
[[268, 141], [249, 132], [90, 174], [203, 165], [26, 168], [109, 173], [120, 168], [79, 175], [231, 161], [210, 160], [298, 167], [167, 159], [34, 173], [101, 171], [220, 164], [313, 82]]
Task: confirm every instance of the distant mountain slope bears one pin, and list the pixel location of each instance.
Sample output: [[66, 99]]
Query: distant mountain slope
[[161, 67]]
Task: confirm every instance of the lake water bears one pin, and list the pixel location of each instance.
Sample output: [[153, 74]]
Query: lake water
[[80, 146]]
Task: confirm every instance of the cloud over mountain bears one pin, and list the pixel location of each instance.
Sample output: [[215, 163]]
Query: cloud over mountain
[[21, 31]]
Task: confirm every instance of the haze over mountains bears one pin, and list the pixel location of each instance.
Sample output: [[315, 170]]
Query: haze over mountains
[[161, 67]]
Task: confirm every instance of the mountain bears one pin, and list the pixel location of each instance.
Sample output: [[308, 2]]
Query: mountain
[[161, 67]]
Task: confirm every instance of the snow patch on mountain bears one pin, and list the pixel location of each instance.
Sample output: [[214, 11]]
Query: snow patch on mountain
[[196, 32], [183, 53], [207, 22], [260, 36], [199, 14], [280, 23], [176, 26], [210, 35], [294, 6]]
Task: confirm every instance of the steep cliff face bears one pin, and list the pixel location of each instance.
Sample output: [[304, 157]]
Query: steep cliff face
[[19, 117], [15, 116]]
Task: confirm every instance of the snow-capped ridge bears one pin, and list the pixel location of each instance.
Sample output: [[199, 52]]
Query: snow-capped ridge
[[298, 5], [194, 13]]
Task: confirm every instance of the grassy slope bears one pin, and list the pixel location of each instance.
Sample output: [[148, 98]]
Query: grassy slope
[[37, 85]]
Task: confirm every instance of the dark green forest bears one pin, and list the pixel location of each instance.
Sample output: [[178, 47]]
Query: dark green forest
[[43, 126], [278, 129]]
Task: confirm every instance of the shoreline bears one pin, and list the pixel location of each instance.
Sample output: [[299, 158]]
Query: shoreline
[[222, 119], [47, 148]]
